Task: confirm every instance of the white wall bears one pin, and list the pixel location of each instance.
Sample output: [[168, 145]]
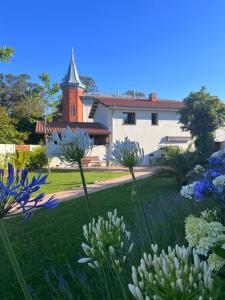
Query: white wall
[[87, 104], [150, 137], [7, 148], [104, 116], [98, 150]]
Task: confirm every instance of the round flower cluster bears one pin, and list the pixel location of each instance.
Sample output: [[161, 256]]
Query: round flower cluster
[[196, 190], [126, 153], [219, 183], [203, 235], [217, 158], [71, 146], [178, 274], [187, 191], [106, 239]]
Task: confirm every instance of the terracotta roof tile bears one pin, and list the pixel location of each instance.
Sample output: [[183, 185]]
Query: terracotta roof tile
[[91, 128], [139, 103]]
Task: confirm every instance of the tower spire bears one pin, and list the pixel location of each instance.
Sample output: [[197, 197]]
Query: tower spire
[[72, 78]]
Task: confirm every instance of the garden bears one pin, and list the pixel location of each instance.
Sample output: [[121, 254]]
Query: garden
[[157, 238]]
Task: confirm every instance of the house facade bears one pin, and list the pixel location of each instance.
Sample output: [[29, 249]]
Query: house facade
[[151, 121]]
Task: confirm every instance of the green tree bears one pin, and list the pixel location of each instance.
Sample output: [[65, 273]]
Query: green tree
[[14, 90], [90, 85], [6, 53], [8, 132], [202, 114], [135, 93]]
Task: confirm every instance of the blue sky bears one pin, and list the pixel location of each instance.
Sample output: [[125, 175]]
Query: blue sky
[[168, 46]]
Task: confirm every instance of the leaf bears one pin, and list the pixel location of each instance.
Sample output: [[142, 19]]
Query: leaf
[[218, 250]]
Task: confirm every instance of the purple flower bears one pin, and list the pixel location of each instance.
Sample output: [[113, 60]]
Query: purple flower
[[16, 192], [201, 187]]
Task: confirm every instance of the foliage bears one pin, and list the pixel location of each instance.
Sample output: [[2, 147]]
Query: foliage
[[39, 236], [15, 90], [135, 93], [34, 160], [37, 159], [8, 132], [181, 161], [202, 114], [6, 53], [90, 85]]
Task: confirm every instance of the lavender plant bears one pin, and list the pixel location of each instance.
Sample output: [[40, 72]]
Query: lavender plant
[[16, 198], [177, 274], [71, 147]]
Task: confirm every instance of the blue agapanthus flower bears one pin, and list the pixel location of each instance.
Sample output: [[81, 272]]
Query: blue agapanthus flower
[[201, 187], [16, 192]]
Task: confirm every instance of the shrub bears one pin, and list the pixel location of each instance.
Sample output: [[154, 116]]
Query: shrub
[[38, 159], [34, 160], [180, 161]]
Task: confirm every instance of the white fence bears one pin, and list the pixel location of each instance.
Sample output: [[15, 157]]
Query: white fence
[[11, 148], [98, 151]]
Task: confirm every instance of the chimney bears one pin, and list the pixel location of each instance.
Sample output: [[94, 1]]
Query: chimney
[[153, 97]]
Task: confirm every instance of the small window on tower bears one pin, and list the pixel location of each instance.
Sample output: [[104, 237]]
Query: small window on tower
[[73, 110]]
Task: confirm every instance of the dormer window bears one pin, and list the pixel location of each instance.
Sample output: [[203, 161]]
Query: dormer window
[[129, 118]]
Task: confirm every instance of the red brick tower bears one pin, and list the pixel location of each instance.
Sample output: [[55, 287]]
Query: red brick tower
[[72, 89]]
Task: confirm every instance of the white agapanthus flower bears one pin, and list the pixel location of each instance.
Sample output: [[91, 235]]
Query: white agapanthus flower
[[106, 239], [187, 191], [177, 274], [198, 169], [126, 153], [203, 235], [219, 183], [71, 147]]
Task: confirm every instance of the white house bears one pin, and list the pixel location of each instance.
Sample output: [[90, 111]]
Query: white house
[[151, 121]]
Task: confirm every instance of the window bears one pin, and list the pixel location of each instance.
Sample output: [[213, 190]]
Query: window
[[73, 110], [155, 120], [129, 118]]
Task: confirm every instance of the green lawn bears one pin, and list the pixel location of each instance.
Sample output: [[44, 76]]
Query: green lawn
[[52, 238], [61, 180]]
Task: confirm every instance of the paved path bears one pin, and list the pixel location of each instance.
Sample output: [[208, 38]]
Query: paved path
[[103, 185]]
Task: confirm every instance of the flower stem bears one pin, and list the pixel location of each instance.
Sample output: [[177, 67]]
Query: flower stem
[[121, 286], [107, 283], [85, 188], [141, 206], [13, 260]]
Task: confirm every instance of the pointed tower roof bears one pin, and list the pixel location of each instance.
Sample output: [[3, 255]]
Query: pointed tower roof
[[71, 78]]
